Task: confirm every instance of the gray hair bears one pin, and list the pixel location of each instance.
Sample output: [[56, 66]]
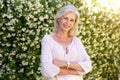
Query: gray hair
[[63, 11]]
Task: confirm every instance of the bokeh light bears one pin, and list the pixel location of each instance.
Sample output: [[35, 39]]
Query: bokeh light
[[113, 4]]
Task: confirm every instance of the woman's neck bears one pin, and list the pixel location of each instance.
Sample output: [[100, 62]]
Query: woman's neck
[[62, 35]]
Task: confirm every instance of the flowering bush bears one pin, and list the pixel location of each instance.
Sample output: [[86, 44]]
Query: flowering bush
[[23, 23], [20, 40], [99, 31]]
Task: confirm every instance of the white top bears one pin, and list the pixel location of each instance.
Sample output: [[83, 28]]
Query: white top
[[53, 50]]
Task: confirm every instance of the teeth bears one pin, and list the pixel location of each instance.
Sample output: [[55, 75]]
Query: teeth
[[65, 26]]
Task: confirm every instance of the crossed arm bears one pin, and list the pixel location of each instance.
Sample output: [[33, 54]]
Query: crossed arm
[[73, 67]]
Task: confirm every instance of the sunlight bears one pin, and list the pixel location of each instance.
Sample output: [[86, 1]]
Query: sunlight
[[114, 4], [103, 3]]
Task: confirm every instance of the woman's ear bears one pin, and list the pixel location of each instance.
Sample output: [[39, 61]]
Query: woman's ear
[[58, 20]]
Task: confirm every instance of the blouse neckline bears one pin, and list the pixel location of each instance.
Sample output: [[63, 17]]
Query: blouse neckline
[[59, 43]]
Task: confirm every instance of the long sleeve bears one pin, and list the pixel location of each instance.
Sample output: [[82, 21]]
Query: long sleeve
[[86, 62], [48, 69]]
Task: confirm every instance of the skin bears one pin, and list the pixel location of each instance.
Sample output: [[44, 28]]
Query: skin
[[66, 22]]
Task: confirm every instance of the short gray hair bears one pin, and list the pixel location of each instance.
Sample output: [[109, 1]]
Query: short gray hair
[[61, 12]]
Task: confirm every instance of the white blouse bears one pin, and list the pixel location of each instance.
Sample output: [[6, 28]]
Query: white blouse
[[53, 50]]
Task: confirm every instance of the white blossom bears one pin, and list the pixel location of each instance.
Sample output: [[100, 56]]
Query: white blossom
[[8, 44], [23, 39], [1, 54], [7, 15], [9, 35], [24, 63], [21, 70], [0, 62], [11, 28], [13, 53], [3, 28]]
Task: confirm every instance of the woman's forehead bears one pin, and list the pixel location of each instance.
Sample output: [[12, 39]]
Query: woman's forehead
[[70, 14]]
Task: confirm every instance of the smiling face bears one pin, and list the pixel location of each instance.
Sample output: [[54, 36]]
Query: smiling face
[[67, 21]]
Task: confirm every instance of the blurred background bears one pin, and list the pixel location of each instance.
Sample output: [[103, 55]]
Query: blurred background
[[23, 23]]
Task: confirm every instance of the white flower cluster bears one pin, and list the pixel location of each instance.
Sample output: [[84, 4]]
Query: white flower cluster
[[100, 33]]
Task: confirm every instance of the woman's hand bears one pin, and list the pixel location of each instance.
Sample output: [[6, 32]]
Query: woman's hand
[[63, 68], [73, 65], [59, 63], [65, 71]]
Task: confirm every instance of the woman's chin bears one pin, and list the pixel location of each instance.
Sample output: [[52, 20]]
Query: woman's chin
[[66, 29]]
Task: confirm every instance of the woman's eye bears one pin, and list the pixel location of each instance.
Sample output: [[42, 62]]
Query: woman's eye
[[65, 18], [72, 20]]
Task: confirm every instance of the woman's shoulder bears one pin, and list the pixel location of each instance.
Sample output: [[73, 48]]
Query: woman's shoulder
[[77, 40], [46, 37], [47, 40]]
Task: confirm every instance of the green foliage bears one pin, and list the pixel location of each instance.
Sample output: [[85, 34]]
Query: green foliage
[[23, 23]]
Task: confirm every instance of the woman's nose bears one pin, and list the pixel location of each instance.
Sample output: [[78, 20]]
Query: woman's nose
[[68, 21]]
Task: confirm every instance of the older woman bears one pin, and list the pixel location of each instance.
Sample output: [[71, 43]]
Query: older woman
[[63, 54]]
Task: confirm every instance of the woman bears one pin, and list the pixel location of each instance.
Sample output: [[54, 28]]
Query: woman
[[63, 55]]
